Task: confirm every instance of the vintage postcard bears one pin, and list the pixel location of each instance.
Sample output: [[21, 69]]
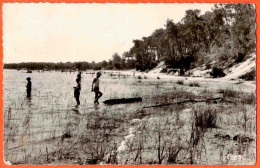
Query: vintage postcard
[[129, 83]]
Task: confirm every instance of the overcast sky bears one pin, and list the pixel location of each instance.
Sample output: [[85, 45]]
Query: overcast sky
[[44, 32]]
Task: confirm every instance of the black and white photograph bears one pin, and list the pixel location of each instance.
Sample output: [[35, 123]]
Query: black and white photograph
[[129, 84]]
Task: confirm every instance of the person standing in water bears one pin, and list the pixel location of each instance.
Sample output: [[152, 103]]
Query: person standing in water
[[98, 94], [29, 87], [77, 91]]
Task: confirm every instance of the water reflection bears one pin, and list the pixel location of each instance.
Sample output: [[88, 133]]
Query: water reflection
[[29, 101], [96, 107]]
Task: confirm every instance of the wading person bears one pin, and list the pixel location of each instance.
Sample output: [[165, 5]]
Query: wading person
[[77, 91], [28, 87], [95, 83]]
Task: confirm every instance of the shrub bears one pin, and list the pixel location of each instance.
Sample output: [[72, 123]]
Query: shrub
[[153, 64], [250, 76], [180, 82], [164, 70], [240, 57], [217, 72], [194, 84], [139, 67], [205, 117]]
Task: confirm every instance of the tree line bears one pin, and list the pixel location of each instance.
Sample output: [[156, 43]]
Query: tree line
[[218, 38], [115, 63]]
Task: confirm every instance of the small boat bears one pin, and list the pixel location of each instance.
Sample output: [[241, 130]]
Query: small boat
[[90, 72], [122, 101]]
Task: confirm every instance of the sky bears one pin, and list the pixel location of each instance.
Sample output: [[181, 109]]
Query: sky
[[45, 32]]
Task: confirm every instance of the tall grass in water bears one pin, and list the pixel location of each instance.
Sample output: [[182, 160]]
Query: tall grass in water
[[249, 99], [204, 117], [238, 96], [229, 92]]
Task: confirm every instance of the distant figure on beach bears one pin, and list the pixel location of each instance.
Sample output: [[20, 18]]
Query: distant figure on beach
[[28, 87], [77, 91], [79, 76], [98, 94]]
